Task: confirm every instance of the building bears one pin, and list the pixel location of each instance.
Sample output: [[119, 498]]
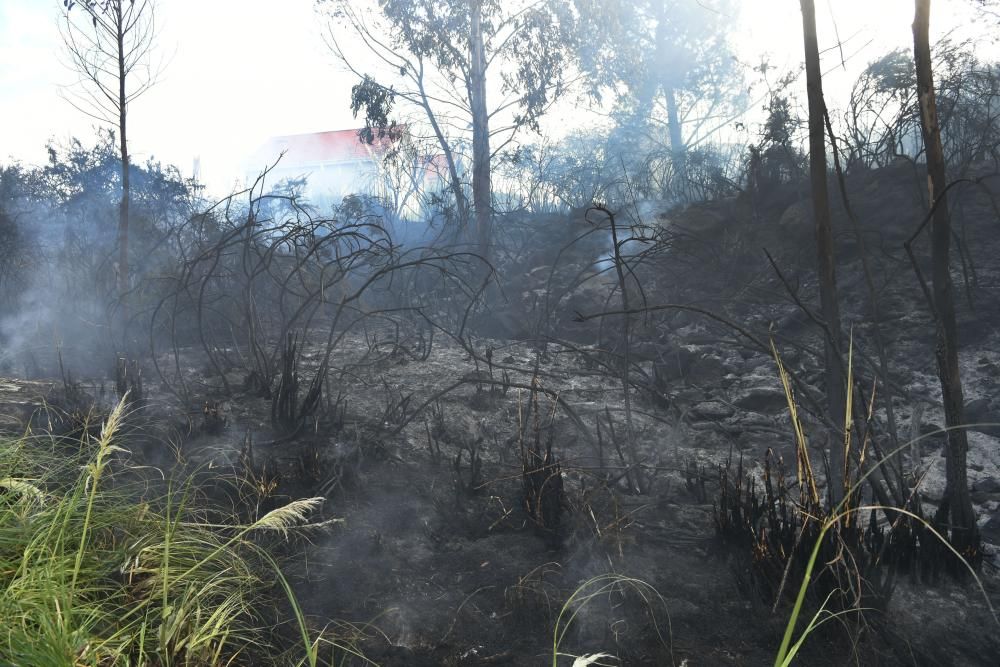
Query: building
[[338, 163]]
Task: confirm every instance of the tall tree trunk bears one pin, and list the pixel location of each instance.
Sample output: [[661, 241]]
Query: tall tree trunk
[[677, 153], [481, 186], [657, 74], [964, 532], [835, 381], [123, 208], [662, 78]]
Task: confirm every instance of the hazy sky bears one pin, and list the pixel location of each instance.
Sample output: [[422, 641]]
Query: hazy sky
[[238, 71]]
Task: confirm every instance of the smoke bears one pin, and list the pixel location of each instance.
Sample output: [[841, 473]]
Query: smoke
[[61, 302], [59, 292]]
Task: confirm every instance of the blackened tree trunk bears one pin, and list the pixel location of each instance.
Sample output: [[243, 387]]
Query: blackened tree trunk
[[481, 186], [957, 503], [835, 381]]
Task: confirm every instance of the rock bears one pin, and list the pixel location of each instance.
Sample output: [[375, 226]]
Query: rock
[[708, 369], [990, 531], [681, 607], [983, 417], [977, 407], [934, 623], [762, 399], [711, 411], [796, 217], [931, 429], [988, 485], [728, 381], [674, 367], [691, 366]]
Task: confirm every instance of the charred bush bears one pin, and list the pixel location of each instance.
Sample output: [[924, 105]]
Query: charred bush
[[471, 482], [543, 496], [397, 405], [270, 268], [128, 380], [860, 554], [213, 417], [288, 412], [260, 479]]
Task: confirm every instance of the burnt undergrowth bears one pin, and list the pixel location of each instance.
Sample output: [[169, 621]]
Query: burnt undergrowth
[[793, 542], [487, 470]]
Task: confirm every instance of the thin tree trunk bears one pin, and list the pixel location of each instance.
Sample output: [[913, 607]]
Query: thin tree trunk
[[481, 186], [461, 202], [123, 209], [964, 532], [835, 387]]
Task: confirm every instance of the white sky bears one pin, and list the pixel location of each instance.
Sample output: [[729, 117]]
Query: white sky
[[236, 72]]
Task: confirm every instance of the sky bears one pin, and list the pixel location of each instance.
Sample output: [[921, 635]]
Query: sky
[[235, 72]]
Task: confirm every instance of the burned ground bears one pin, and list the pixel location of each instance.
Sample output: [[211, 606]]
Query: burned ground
[[444, 556]]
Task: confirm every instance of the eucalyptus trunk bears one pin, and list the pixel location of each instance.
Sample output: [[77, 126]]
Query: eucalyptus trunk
[[957, 503], [481, 186]]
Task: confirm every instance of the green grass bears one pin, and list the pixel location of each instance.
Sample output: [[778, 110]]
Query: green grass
[[92, 574]]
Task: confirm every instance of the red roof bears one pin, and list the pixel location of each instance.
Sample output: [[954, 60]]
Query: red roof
[[334, 146]]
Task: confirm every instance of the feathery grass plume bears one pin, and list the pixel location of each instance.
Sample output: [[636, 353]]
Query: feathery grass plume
[[593, 659], [283, 519], [95, 470], [25, 489]]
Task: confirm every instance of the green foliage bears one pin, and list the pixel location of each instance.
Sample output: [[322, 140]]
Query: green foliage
[[11, 249], [532, 44], [654, 48], [377, 101], [57, 254], [91, 573], [590, 166], [530, 50]]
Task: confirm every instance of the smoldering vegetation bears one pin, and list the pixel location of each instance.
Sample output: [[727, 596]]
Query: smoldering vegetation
[[597, 430]]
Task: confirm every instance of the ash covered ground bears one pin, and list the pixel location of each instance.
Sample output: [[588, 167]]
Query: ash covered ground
[[430, 417]]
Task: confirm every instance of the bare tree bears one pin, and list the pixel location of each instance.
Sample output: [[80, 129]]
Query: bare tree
[[109, 44], [835, 387], [478, 68], [956, 504]]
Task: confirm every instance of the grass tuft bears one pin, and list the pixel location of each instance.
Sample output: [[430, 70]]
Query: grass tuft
[[94, 572]]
